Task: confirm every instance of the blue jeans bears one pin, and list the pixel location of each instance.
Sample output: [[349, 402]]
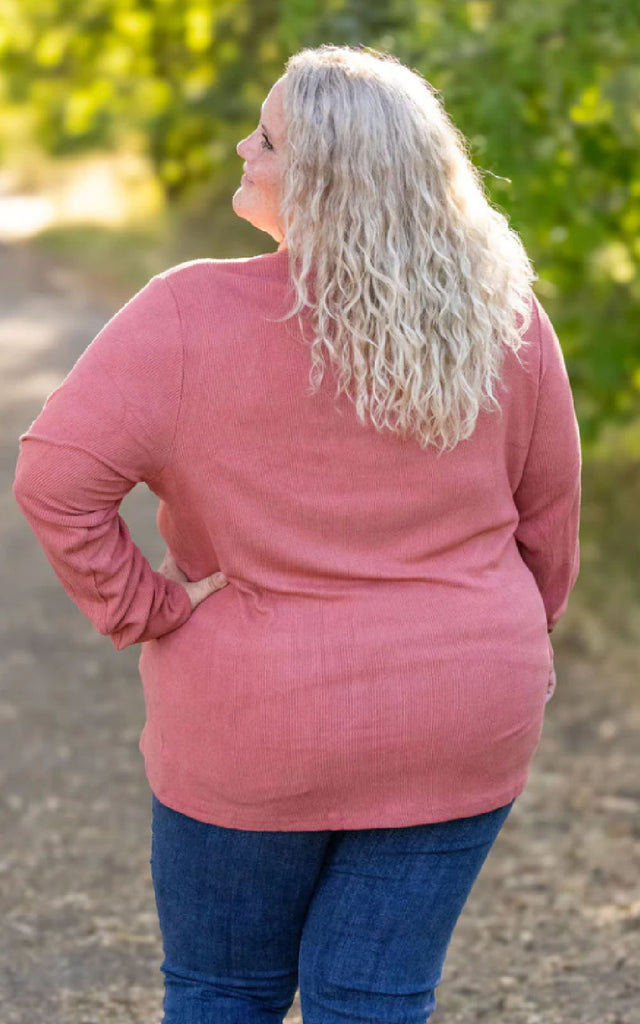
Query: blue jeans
[[360, 920]]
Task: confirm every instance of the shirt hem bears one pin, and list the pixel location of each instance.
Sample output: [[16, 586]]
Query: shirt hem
[[336, 821]]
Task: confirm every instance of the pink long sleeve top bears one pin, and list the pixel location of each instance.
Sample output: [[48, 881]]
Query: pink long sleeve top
[[380, 656]]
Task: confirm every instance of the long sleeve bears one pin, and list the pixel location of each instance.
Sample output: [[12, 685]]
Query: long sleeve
[[548, 494], [108, 426]]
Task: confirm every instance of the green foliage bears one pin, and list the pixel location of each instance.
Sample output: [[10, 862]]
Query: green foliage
[[548, 97], [546, 92]]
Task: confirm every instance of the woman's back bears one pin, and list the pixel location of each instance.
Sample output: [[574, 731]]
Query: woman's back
[[380, 656]]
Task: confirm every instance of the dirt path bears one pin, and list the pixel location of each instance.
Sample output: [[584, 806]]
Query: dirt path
[[551, 934]]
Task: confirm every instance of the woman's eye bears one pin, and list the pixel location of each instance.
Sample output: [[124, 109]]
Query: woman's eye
[[266, 144]]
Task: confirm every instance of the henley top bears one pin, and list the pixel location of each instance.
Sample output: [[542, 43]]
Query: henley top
[[380, 656]]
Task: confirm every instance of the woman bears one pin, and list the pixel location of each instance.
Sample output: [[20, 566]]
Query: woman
[[345, 652]]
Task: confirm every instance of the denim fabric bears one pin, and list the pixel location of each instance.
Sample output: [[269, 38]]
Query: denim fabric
[[360, 920]]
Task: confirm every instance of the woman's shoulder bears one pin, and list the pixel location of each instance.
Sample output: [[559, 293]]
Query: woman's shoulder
[[193, 274], [541, 350]]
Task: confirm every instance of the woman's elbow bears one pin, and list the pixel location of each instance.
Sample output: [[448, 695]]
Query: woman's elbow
[[27, 483]]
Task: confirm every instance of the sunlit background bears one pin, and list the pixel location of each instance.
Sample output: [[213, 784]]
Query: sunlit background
[[125, 115]]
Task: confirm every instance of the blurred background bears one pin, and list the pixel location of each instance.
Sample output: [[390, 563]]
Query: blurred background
[[118, 126]]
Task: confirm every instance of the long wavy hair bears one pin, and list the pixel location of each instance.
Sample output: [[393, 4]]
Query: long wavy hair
[[414, 282]]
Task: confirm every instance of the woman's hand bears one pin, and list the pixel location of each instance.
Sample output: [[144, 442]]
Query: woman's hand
[[551, 685], [197, 590], [551, 682]]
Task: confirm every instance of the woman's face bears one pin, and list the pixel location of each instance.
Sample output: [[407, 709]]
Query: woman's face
[[259, 195]]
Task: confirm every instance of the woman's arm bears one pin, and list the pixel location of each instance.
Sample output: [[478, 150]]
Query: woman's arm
[[548, 495], [108, 426]]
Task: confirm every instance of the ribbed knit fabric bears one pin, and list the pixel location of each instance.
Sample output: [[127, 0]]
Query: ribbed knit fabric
[[380, 656]]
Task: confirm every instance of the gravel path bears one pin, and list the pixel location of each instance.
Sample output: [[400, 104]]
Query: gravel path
[[551, 933]]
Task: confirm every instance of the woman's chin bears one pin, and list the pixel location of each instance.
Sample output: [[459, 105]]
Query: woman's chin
[[239, 205]]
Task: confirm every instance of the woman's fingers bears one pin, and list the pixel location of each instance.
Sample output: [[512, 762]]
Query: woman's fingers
[[197, 590], [201, 589], [551, 685], [171, 569]]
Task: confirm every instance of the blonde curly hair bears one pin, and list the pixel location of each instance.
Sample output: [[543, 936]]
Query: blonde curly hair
[[417, 282]]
